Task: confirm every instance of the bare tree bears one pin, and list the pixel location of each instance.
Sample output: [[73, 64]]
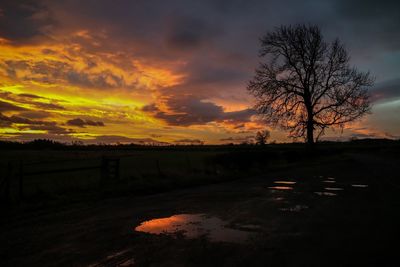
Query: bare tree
[[262, 137], [306, 85]]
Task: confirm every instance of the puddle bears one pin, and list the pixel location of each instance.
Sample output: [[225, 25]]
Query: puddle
[[360, 185], [279, 198], [296, 208], [334, 188], [325, 194], [281, 187], [285, 182], [329, 181], [195, 226]]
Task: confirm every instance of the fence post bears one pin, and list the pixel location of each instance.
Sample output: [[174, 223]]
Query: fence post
[[109, 168]]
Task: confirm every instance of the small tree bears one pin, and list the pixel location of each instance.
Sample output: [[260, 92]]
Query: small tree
[[262, 137], [306, 84]]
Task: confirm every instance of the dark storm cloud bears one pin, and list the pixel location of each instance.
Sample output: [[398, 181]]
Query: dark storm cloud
[[31, 100], [35, 114], [83, 123], [217, 40], [30, 96], [23, 123], [50, 106], [386, 90], [5, 106], [239, 116], [51, 71], [22, 20], [186, 111], [218, 31], [188, 32], [23, 120], [375, 21]]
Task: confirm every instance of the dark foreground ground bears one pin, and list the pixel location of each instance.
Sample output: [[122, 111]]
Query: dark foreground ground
[[357, 227]]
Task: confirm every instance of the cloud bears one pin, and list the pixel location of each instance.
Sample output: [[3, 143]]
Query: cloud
[[33, 100], [240, 116], [367, 18], [186, 111], [35, 114], [83, 123], [58, 71], [385, 91], [22, 123], [21, 21], [50, 128], [186, 63], [185, 32], [5, 106]]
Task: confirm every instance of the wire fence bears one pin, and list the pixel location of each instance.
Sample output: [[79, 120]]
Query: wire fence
[[21, 179]]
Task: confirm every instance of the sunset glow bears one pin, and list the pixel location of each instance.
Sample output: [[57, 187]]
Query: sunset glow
[[100, 79]]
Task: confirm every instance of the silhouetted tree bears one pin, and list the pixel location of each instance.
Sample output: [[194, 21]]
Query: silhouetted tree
[[306, 84], [262, 137]]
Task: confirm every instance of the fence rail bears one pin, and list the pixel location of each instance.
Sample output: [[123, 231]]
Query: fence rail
[[108, 167]]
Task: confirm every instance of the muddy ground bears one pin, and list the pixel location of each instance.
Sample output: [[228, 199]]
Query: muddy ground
[[359, 226]]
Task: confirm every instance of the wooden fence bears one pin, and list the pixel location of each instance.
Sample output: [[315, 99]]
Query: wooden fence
[[109, 170]]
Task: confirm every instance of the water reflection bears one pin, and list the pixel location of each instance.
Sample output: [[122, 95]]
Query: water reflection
[[285, 182], [325, 194], [194, 226], [334, 188], [281, 187], [360, 185]]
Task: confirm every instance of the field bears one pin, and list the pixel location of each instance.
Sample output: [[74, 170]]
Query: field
[[336, 205]]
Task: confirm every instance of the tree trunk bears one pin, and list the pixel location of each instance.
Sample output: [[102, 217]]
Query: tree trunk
[[310, 132], [310, 118]]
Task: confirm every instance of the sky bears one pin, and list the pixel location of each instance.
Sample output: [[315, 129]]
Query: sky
[[174, 71]]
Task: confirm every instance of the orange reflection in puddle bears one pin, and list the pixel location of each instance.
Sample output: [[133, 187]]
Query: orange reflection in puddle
[[195, 226], [285, 182], [281, 187]]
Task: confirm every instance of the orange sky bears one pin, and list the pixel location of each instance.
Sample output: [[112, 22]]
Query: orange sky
[[140, 72], [65, 91]]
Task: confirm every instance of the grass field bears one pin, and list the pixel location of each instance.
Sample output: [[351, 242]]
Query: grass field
[[146, 170], [76, 220]]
